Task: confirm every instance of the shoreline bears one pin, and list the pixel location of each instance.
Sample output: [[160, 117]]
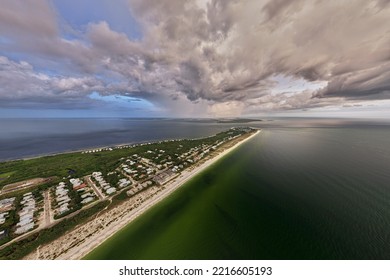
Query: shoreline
[[106, 229], [114, 146]]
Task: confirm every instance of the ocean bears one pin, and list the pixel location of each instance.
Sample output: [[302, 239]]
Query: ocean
[[301, 189], [24, 138]]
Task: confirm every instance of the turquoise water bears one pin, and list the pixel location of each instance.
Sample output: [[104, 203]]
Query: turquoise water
[[289, 193]]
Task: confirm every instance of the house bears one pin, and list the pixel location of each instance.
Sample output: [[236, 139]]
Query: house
[[79, 187], [25, 212], [64, 205], [63, 209], [24, 228], [67, 200], [86, 195], [75, 181], [130, 192], [24, 222], [87, 200], [62, 198], [7, 204], [124, 183], [25, 216], [61, 192], [111, 190]]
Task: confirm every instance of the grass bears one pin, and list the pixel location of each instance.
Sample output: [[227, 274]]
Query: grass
[[4, 176]]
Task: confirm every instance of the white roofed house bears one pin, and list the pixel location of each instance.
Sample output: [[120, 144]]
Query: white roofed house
[[63, 198], [24, 222], [75, 181], [63, 209], [64, 202], [87, 200], [124, 183], [25, 211], [111, 190], [24, 229], [26, 214], [87, 195]]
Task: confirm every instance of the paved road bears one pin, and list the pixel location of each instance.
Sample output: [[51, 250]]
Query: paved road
[[93, 186]]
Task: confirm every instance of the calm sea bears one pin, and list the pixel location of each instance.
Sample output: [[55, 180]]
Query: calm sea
[[21, 138], [297, 192]]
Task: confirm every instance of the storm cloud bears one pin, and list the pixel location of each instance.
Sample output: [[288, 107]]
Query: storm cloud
[[229, 56]]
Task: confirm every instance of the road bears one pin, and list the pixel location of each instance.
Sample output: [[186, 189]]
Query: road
[[93, 186], [47, 209]]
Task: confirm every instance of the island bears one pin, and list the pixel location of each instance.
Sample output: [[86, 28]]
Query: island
[[63, 206]]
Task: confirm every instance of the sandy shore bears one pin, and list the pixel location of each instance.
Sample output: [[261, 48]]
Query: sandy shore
[[83, 239]]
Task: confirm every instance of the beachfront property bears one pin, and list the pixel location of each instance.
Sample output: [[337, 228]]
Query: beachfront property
[[97, 150], [26, 214], [164, 177]]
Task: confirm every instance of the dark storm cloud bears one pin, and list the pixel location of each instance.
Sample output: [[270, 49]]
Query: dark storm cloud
[[220, 51]]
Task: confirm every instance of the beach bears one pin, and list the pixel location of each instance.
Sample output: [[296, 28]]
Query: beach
[[78, 242]]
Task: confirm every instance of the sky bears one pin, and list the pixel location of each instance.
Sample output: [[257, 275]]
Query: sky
[[195, 58]]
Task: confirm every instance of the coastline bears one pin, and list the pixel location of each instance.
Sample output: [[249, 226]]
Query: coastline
[[103, 227], [113, 146]]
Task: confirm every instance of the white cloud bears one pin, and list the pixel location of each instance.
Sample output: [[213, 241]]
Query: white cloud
[[218, 53]]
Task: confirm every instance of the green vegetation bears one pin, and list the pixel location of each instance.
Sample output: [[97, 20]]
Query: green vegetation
[[5, 175], [21, 248], [113, 178]]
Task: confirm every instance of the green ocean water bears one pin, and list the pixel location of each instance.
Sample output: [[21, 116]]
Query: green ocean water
[[299, 193]]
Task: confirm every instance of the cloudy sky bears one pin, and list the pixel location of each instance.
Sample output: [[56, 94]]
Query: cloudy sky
[[194, 58]]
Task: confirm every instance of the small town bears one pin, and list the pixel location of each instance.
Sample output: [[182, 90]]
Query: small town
[[27, 207]]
